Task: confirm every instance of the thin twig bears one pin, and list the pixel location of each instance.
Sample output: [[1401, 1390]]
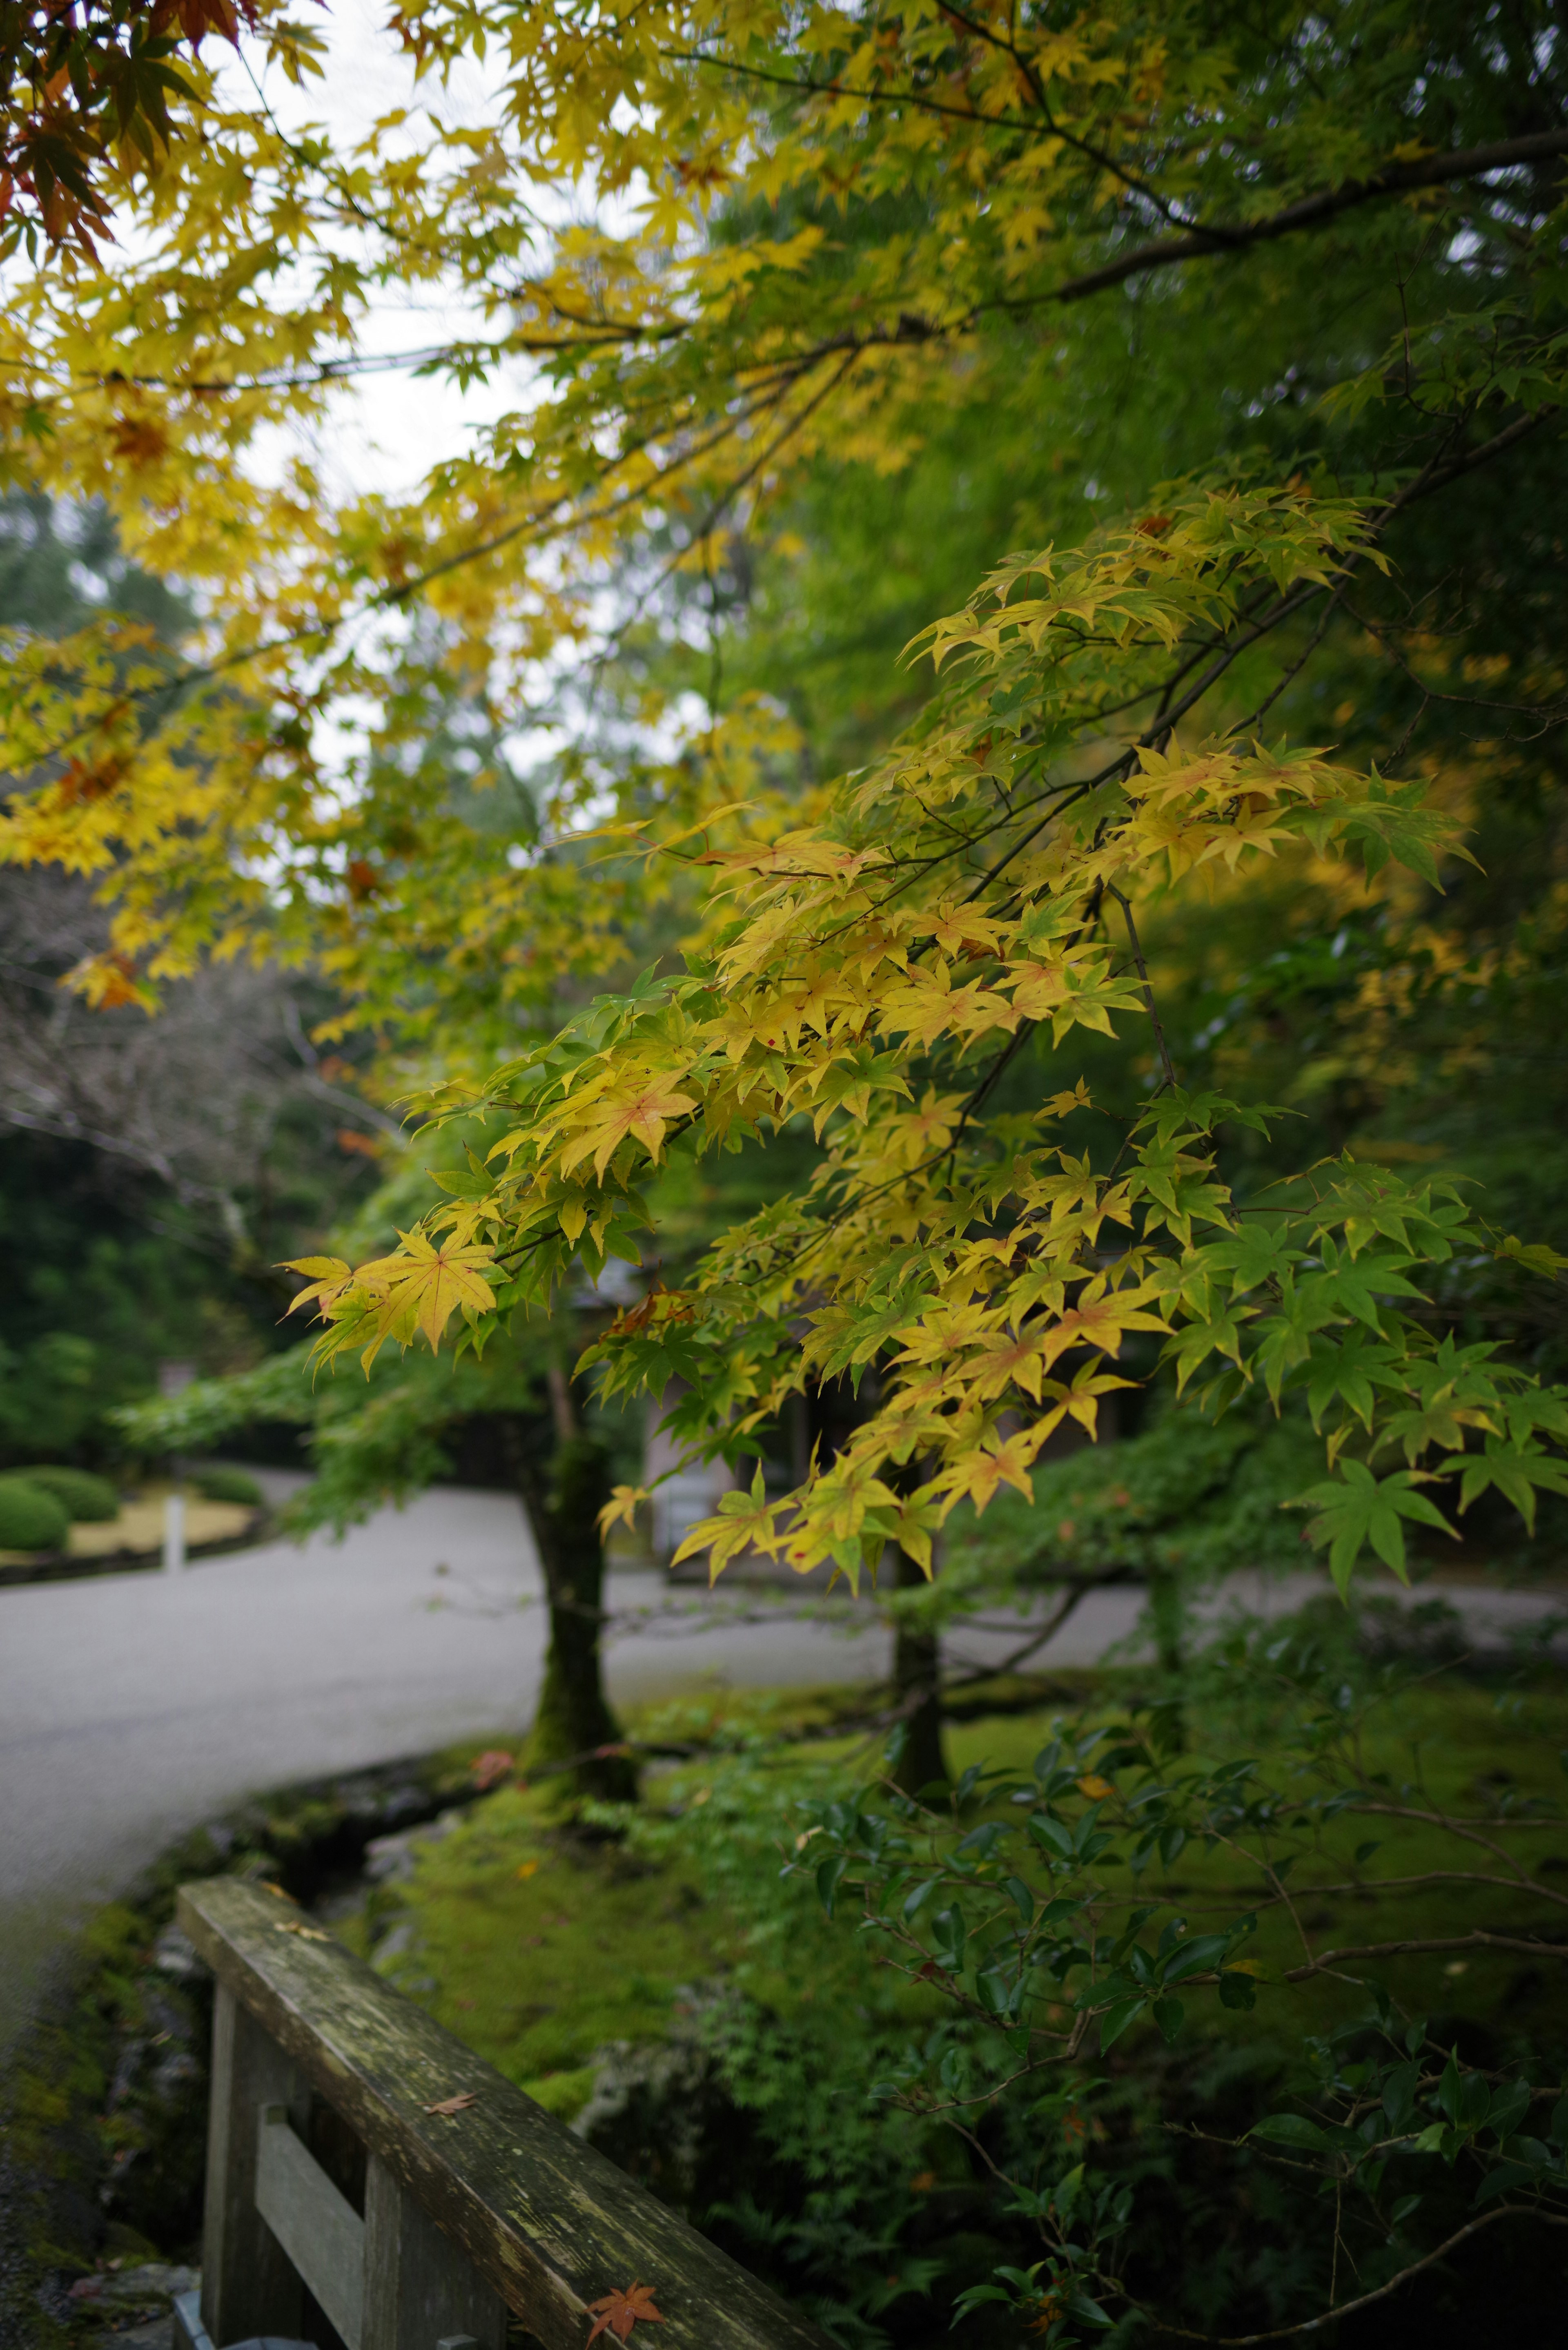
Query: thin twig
[[1165, 1061]]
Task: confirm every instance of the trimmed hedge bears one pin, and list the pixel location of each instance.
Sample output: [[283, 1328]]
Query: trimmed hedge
[[31, 1518], [229, 1485], [87, 1500]]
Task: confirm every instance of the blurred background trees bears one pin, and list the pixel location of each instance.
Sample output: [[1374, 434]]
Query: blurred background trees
[[152, 1172]]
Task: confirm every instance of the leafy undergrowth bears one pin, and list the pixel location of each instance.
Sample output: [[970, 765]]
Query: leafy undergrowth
[[667, 1979]]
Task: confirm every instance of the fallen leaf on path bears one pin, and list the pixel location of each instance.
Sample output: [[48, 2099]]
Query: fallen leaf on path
[[486, 1769], [450, 2106], [306, 1933], [618, 2312], [529, 1868]]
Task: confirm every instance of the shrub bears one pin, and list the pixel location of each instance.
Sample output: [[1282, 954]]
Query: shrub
[[229, 1485], [87, 1500], [30, 1518]]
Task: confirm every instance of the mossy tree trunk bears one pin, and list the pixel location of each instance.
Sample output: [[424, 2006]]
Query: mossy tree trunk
[[1167, 1620], [563, 1494], [918, 1691]]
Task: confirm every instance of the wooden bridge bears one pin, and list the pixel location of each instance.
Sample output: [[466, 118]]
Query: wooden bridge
[[373, 2185]]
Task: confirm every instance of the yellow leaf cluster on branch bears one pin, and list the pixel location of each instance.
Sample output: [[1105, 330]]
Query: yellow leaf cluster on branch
[[877, 973]]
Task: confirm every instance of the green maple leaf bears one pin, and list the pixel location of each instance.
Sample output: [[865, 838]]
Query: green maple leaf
[[1356, 1508], [1259, 1252], [1518, 1475]]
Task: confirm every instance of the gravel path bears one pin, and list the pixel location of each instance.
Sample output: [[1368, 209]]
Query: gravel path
[[133, 1706]]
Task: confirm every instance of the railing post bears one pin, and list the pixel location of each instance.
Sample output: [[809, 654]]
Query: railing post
[[475, 2199], [421, 2289], [248, 2284]]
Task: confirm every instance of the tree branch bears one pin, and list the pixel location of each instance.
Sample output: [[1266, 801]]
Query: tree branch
[[1363, 2300]]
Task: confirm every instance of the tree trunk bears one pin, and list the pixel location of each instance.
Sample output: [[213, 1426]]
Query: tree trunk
[[917, 1688], [563, 1496], [1167, 1621]]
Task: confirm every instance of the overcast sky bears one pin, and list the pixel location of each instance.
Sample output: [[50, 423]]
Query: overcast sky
[[389, 429]]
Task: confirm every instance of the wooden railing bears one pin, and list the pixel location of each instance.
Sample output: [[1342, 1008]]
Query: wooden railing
[[372, 2183]]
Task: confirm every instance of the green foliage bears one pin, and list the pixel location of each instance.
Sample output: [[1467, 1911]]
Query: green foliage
[[86, 1499], [94, 1300], [31, 1518], [229, 1485], [961, 906], [853, 2109], [1110, 1889], [1187, 1495]]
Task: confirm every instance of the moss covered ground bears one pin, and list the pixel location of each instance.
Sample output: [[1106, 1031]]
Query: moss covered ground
[[539, 1943]]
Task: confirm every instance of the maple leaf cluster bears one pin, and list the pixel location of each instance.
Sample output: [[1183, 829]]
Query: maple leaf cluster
[[973, 893], [72, 78]]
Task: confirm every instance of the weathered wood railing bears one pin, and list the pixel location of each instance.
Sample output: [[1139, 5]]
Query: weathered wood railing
[[342, 2209]]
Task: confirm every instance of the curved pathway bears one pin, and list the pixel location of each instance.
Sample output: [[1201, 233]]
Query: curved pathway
[[134, 1706]]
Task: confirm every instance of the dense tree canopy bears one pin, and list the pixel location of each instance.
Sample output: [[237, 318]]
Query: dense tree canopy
[[739, 261], [714, 249], [1156, 976]]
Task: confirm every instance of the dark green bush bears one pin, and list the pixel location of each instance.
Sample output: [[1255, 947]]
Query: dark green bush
[[30, 1518], [87, 1500], [229, 1485]]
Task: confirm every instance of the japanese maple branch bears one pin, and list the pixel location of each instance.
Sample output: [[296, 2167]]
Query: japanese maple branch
[[1165, 1060], [1310, 212]]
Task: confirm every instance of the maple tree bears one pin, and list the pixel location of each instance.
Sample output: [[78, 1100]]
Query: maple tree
[[877, 973], [811, 238], [803, 236], [744, 268]]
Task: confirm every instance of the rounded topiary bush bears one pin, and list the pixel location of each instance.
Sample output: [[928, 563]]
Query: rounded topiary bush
[[229, 1485], [87, 1500], [30, 1518]]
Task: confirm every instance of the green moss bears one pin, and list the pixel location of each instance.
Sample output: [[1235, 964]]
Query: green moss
[[562, 2094], [538, 1945]]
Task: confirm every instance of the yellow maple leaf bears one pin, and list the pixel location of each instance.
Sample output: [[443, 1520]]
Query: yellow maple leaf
[[621, 1508], [426, 1284], [745, 1521], [332, 1277], [643, 1114]]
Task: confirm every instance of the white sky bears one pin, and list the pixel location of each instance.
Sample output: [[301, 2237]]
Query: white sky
[[389, 430]]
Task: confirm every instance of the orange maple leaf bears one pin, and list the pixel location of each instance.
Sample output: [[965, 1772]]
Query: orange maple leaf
[[618, 2312]]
